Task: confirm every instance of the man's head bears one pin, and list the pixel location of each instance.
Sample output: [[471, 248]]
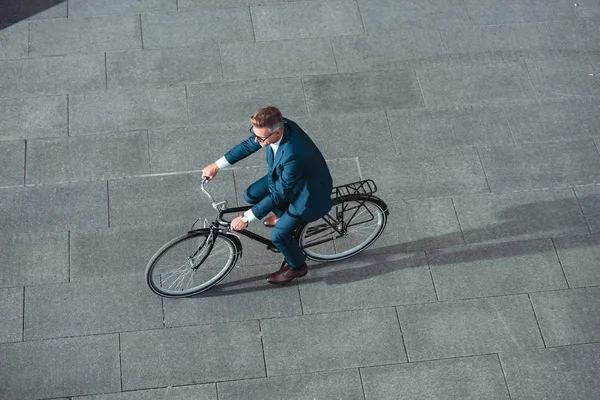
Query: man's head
[[267, 125]]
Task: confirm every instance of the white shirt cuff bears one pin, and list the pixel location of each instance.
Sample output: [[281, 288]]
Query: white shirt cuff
[[250, 215], [222, 163]]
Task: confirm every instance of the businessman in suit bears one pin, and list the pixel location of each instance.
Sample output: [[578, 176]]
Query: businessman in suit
[[297, 186]]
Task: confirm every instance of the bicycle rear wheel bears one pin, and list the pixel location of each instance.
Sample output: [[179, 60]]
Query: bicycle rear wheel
[[192, 263], [352, 225]]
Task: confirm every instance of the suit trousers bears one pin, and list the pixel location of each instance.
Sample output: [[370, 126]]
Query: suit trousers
[[282, 234]]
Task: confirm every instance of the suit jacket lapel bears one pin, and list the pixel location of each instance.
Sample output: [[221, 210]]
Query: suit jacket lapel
[[281, 149]]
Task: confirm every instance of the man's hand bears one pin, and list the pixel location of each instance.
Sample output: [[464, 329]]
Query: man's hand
[[210, 171], [237, 224]]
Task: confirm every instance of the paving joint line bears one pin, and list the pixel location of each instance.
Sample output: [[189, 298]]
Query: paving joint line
[[68, 121], [305, 97], [582, 212], [510, 129], [25, 165], [462, 233], [536, 321], [362, 385], [252, 24], [108, 202], [69, 256], [537, 94], [401, 334], [437, 297], [504, 375], [444, 46], [142, 32], [337, 68], [387, 120], [120, 363], [560, 262], [487, 182], [262, 346], [23, 319], [149, 153], [362, 22]]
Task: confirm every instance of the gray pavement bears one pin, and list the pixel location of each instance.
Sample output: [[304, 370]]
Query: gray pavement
[[478, 119]]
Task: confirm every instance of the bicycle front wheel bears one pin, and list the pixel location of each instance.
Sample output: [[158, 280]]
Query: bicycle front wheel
[[192, 263], [352, 225]]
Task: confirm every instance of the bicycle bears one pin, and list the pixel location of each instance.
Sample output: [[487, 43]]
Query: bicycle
[[357, 218]]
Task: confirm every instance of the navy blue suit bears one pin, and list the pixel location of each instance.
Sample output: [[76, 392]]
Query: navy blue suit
[[297, 186]]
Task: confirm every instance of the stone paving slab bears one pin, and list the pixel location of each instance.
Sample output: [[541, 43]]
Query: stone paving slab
[[588, 197], [33, 258], [426, 173], [398, 50], [12, 163], [190, 28], [542, 166], [98, 112], [553, 374], [553, 80], [337, 340], [489, 12], [59, 207], [306, 19], [588, 9], [473, 378], [58, 9], [211, 4], [475, 84], [243, 295], [579, 257], [191, 355], [11, 309], [118, 252], [33, 117], [87, 157], [84, 35], [496, 269], [518, 216], [196, 392], [191, 148], [231, 101], [568, 316], [165, 199], [419, 225], [165, 67], [60, 367], [298, 57], [88, 8], [468, 327], [381, 16], [444, 127], [512, 43], [362, 92], [52, 75], [372, 280], [346, 129], [14, 41], [339, 385], [90, 308], [567, 119]]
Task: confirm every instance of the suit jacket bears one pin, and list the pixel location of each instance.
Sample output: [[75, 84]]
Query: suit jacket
[[297, 175]]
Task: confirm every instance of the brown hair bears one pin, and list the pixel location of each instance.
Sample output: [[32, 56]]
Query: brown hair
[[266, 117]]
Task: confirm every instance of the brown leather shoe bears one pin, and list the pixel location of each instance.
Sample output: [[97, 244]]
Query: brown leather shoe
[[287, 273], [271, 221]]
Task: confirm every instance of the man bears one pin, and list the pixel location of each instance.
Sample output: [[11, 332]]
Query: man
[[297, 186]]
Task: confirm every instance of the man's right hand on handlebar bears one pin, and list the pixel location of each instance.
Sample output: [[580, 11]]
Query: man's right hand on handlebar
[[210, 171]]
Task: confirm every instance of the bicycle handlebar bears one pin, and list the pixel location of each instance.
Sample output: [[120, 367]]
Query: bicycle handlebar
[[215, 205]]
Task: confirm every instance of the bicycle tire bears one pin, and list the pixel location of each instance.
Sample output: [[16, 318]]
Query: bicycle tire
[[190, 264], [321, 242]]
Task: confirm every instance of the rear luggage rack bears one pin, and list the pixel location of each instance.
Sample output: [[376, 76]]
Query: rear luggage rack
[[366, 187]]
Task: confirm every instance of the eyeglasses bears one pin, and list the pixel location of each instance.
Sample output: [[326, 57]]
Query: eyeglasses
[[258, 138]]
